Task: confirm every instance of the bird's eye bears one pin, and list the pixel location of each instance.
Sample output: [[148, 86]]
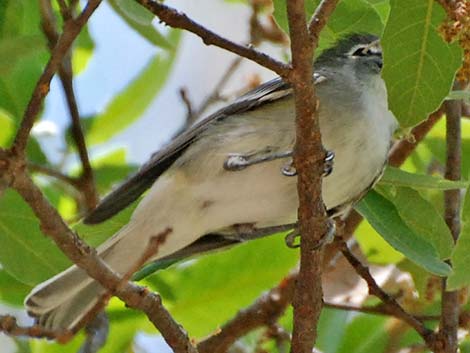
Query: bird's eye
[[362, 51]]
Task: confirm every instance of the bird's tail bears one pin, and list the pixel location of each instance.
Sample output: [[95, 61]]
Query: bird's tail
[[64, 301]]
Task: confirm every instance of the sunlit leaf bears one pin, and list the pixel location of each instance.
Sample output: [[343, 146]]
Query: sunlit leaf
[[82, 52], [7, 128], [435, 143], [419, 67], [384, 217]]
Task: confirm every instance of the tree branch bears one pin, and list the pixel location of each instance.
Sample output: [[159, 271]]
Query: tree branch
[[9, 326], [177, 19], [308, 160], [71, 30], [450, 300], [320, 17], [51, 172]]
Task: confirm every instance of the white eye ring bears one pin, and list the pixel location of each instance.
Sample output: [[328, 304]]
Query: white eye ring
[[366, 49]]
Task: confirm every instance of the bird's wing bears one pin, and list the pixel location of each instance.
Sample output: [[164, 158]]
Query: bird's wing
[[143, 179]]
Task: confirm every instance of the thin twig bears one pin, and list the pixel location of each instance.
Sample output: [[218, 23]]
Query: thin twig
[[71, 30], [320, 17], [402, 149], [377, 310], [177, 19], [9, 326], [51, 172], [87, 179], [215, 95], [65, 11], [308, 160], [450, 299], [86, 182], [388, 301], [265, 311]]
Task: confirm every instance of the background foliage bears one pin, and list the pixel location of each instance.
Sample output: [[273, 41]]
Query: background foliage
[[405, 209]]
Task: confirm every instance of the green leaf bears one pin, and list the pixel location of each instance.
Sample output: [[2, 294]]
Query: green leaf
[[131, 103], [419, 67], [16, 87], [375, 247], [382, 7], [349, 16], [384, 217], [134, 11], [461, 256], [225, 281], [13, 49], [365, 334], [21, 17], [35, 153], [397, 177], [331, 325], [25, 253], [12, 291], [143, 27], [421, 217]]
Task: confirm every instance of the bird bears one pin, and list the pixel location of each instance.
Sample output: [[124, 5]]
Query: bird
[[234, 171]]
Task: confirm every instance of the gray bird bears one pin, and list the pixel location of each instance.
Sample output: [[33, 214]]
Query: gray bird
[[234, 169]]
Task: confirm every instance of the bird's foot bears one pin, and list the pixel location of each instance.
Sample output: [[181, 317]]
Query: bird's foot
[[328, 163], [292, 239], [238, 161]]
